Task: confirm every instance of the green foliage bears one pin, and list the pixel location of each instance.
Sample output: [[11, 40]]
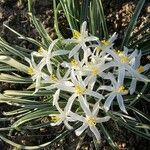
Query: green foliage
[[33, 107]]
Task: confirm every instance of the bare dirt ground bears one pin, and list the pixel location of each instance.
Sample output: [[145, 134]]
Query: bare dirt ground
[[118, 12]]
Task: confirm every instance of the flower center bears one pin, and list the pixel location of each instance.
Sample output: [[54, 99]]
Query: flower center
[[76, 34], [140, 69], [105, 42], [53, 77], [94, 71], [91, 121], [74, 63], [123, 57], [55, 118], [30, 70], [40, 50], [98, 49], [79, 89], [122, 89]]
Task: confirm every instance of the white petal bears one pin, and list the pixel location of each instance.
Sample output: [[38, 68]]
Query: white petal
[[84, 105], [91, 38], [69, 103], [74, 50], [81, 129], [121, 75], [75, 117], [56, 97], [68, 125], [96, 132], [132, 86], [94, 94], [109, 101], [113, 37], [103, 119], [121, 103], [51, 46], [95, 109], [60, 52], [107, 88]]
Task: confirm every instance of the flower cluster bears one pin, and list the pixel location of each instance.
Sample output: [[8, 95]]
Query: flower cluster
[[86, 79]]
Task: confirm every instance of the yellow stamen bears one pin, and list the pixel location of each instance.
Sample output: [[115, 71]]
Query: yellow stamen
[[98, 49], [94, 71], [140, 69], [79, 90], [30, 70], [122, 89], [74, 63], [91, 121], [76, 34], [123, 57], [55, 118], [53, 77], [105, 42], [40, 50]]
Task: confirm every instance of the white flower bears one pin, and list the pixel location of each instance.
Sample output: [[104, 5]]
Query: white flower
[[75, 64], [96, 68], [78, 88], [125, 62], [140, 69], [90, 120], [47, 56], [116, 90], [81, 38], [36, 72], [57, 80], [62, 117]]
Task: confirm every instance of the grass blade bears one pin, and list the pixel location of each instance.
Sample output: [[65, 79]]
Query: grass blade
[[132, 22]]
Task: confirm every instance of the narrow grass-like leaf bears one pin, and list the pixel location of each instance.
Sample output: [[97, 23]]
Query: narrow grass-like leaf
[[84, 11], [31, 116], [20, 101], [15, 112], [134, 129], [108, 137], [139, 113], [60, 136], [31, 40], [132, 23], [27, 93], [102, 18], [144, 28], [12, 62], [11, 50], [145, 37], [14, 79], [56, 19], [5, 67], [42, 32]]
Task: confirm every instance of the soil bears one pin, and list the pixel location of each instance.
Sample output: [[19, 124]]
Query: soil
[[15, 14]]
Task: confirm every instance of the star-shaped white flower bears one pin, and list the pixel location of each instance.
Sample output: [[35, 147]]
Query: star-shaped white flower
[[90, 120], [116, 90], [81, 38]]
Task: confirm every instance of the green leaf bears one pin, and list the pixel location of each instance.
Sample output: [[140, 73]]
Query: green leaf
[[14, 79], [42, 32], [144, 28], [108, 137], [9, 49], [12, 62], [56, 19], [31, 116], [58, 138], [132, 23], [31, 40]]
